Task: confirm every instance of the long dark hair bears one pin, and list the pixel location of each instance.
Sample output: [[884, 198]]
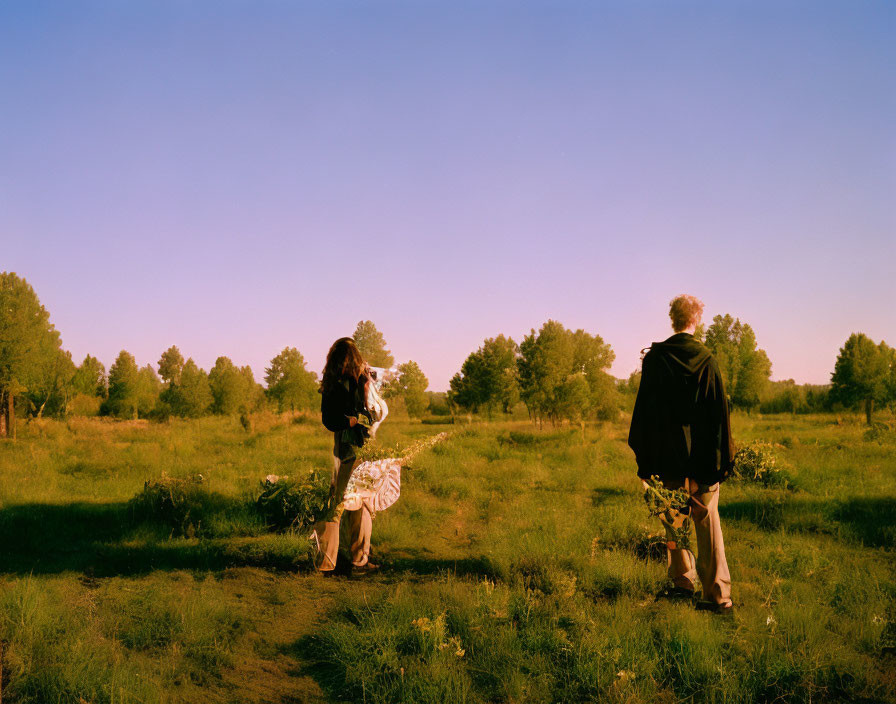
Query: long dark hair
[[344, 361]]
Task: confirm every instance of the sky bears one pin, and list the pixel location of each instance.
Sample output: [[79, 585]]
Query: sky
[[234, 177]]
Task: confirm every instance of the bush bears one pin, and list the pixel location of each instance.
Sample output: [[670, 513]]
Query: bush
[[758, 462], [179, 504], [879, 433], [293, 504]]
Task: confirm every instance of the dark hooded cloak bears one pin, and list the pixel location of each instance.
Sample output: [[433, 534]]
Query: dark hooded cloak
[[680, 424]]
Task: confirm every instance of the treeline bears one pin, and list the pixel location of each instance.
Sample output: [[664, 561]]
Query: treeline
[[39, 378], [556, 373], [561, 374]]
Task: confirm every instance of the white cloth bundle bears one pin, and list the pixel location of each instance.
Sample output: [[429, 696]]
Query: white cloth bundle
[[376, 483], [377, 407]]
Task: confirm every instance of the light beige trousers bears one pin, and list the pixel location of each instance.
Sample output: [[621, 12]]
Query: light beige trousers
[[358, 526], [710, 566]]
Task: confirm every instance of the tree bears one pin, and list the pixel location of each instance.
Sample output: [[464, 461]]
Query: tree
[[171, 365], [192, 396], [745, 368], [233, 389], [53, 387], [254, 391], [372, 345], [90, 378], [124, 387], [563, 374], [863, 373], [411, 386], [149, 387], [29, 346], [489, 377], [290, 384]]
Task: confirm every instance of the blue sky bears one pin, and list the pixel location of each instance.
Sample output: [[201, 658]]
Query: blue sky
[[235, 177]]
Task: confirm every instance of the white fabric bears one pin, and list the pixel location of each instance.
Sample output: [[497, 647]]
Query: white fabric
[[376, 483], [377, 407]]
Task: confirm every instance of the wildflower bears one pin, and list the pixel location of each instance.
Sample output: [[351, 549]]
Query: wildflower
[[422, 623]]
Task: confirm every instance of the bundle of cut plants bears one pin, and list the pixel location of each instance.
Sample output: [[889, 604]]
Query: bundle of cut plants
[[672, 508], [291, 504]]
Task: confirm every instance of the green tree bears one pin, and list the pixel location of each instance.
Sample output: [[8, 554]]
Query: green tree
[[51, 393], [745, 368], [90, 378], [30, 347], [233, 389], [171, 365], [289, 383], [255, 397], [489, 377], [192, 396], [411, 386], [149, 388], [124, 387], [372, 345], [563, 374], [862, 373]]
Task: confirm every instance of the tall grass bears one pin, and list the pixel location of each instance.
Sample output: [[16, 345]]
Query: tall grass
[[519, 565]]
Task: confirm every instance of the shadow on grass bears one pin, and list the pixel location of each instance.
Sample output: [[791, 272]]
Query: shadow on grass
[[602, 494], [870, 521], [103, 540], [421, 562], [315, 660]]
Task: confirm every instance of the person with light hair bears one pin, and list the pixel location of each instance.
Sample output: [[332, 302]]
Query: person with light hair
[[681, 434]]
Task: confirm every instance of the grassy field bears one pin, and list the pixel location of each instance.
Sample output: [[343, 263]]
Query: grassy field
[[518, 566]]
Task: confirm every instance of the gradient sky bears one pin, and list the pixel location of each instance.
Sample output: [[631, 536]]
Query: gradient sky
[[235, 177]]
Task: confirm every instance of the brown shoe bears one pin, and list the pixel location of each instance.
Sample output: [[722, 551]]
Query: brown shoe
[[673, 593], [713, 607], [367, 568]]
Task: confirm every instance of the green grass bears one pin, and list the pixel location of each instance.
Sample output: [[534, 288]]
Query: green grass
[[519, 566]]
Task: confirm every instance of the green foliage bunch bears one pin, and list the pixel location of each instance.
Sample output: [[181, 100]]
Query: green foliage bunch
[[787, 396], [758, 462], [563, 374], [372, 345], [33, 364], [411, 387], [293, 504], [864, 373], [745, 368], [133, 391], [90, 378], [671, 506], [177, 503], [489, 377], [881, 433], [234, 389], [289, 384]]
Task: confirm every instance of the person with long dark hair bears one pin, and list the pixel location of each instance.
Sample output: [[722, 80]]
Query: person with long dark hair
[[344, 411]]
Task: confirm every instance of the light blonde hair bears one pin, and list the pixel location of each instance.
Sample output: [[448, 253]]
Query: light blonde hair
[[684, 311]]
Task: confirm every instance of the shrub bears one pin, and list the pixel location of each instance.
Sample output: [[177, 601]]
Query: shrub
[[758, 462], [179, 504], [879, 433]]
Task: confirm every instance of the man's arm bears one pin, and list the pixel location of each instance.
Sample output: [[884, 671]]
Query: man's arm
[[644, 413]]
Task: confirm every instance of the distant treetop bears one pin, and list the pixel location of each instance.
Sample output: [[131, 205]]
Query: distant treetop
[[372, 345]]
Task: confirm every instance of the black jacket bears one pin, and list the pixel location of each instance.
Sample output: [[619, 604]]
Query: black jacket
[[680, 425], [341, 401]]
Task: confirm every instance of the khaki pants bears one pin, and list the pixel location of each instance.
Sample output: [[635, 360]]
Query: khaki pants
[[359, 524], [710, 565]]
